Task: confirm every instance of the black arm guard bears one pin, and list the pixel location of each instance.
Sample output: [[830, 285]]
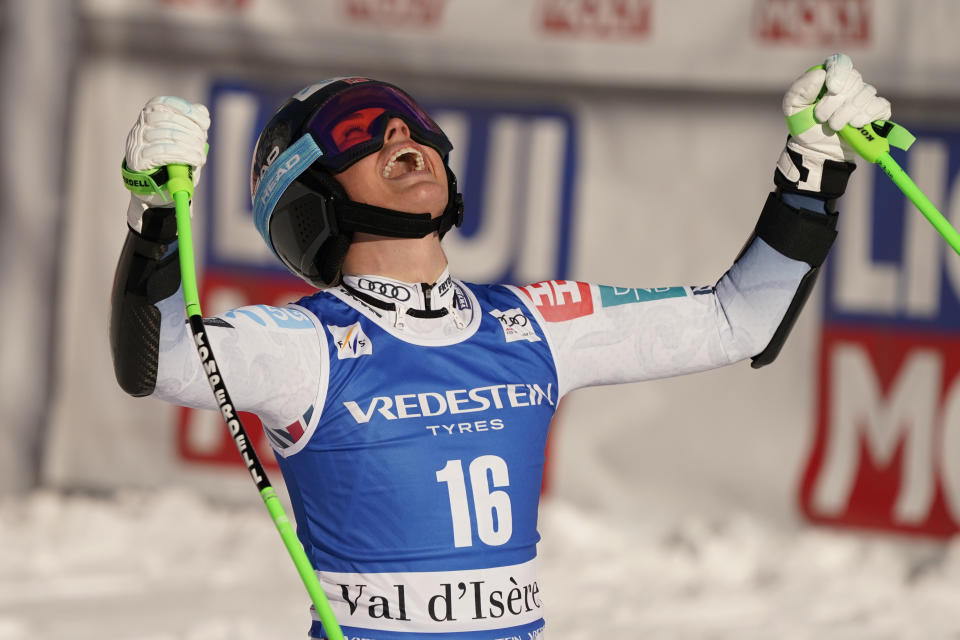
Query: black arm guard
[[800, 235], [147, 273]]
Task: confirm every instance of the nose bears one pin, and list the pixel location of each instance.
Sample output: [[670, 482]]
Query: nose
[[396, 130]]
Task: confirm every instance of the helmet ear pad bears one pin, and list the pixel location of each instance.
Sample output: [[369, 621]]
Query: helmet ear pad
[[330, 260], [304, 229], [327, 253]]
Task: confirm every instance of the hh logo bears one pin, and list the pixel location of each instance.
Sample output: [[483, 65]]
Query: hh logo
[[597, 18], [516, 167], [351, 341], [560, 300], [884, 454], [820, 22]]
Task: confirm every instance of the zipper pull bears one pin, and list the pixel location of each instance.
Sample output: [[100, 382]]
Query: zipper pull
[[426, 295], [401, 312], [456, 317]]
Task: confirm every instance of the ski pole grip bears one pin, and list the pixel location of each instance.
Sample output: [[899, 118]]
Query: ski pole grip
[[180, 186], [180, 179]]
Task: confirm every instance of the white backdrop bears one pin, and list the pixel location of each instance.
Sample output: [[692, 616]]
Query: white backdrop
[[672, 127]]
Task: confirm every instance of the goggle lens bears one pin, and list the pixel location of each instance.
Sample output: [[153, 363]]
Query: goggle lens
[[355, 128], [351, 124]]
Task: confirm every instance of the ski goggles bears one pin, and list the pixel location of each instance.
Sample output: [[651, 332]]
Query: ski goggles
[[351, 124]]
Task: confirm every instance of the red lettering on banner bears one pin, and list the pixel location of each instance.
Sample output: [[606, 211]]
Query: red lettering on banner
[[422, 13], [597, 18], [559, 300], [888, 429], [821, 22], [213, 4]]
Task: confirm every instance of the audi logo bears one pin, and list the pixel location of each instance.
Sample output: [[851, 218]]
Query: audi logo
[[386, 289]]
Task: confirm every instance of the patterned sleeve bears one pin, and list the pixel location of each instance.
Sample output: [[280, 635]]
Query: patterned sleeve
[[606, 334], [270, 357]]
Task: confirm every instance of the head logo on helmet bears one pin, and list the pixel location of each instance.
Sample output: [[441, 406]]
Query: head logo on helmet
[[256, 177], [300, 209]]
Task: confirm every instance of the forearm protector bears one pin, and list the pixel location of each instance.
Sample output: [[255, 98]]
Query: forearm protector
[[799, 234], [148, 271]]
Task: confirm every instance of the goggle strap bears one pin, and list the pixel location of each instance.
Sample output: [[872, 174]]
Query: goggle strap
[[354, 216]]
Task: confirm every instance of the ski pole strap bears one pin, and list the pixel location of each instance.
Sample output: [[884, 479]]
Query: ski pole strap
[[875, 138], [869, 141], [158, 181], [146, 183], [801, 121]]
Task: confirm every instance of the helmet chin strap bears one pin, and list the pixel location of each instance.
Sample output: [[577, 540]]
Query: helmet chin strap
[[354, 216]]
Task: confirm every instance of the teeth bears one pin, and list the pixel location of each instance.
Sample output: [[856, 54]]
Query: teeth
[[418, 158]]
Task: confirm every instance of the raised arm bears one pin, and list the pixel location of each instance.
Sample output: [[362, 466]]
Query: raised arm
[[605, 335], [271, 357]]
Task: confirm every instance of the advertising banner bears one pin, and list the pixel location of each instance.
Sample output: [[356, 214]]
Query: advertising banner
[[904, 46], [888, 417], [619, 142]]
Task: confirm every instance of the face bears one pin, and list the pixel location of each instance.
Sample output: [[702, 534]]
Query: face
[[404, 175]]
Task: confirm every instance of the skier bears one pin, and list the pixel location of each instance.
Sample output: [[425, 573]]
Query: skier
[[409, 410]]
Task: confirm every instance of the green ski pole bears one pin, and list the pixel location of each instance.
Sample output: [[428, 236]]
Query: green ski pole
[[872, 142], [180, 185]]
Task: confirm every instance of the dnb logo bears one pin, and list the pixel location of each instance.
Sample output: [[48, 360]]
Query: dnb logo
[[885, 455], [516, 168]]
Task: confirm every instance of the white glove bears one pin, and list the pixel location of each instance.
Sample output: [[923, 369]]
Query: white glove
[[846, 100], [170, 130]]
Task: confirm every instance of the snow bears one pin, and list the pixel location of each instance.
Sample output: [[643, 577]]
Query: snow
[[165, 565]]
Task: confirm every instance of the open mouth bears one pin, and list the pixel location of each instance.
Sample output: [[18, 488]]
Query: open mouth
[[403, 161]]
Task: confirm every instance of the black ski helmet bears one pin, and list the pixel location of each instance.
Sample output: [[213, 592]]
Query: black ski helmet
[[300, 209]]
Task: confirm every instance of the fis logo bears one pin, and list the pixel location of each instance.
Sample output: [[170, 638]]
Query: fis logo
[[351, 341]]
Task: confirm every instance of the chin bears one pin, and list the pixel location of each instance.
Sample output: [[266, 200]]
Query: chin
[[426, 196]]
